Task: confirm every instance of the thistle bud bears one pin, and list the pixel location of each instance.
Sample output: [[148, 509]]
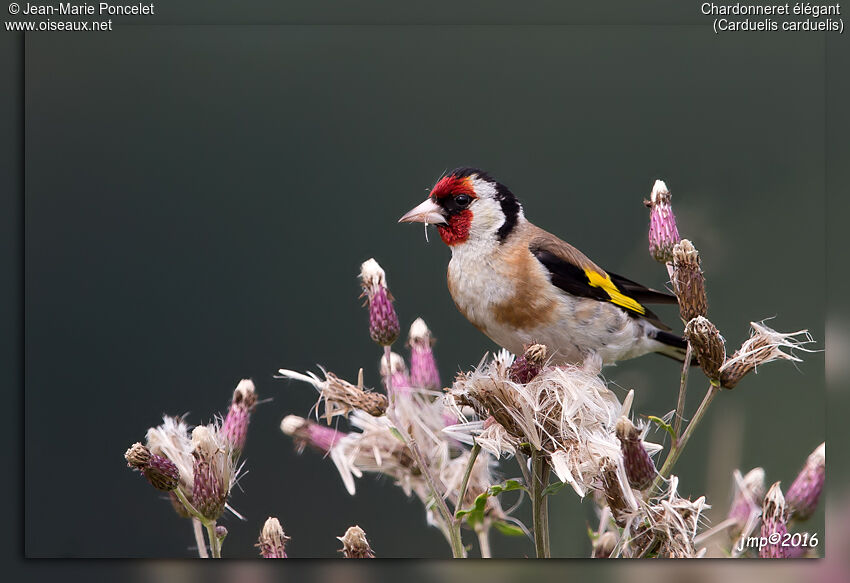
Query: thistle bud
[[220, 533], [209, 493], [383, 320], [805, 491], [272, 540], [604, 545], [774, 522], [235, 427], [529, 365], [396, 373], [305, 432], [747, 501], [423, 366], [639, 467], [764, 345], [355, 545], [663, 234], [159, 471], [708, 345], [688, 281]]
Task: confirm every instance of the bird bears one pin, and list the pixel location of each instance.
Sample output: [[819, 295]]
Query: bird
[[521, 285]]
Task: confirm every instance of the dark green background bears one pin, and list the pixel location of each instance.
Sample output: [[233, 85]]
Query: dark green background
[[199, 198]]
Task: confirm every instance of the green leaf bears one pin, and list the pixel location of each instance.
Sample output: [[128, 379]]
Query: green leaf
[[397, 434], [508, 529], [475, 514], [553, 488], [665, 426], [508, 486]]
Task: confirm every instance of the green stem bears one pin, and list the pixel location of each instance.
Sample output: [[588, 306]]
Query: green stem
[[679, 445], [539, 471], [683, 388], [215, 544], [456, 540], [473, 455]]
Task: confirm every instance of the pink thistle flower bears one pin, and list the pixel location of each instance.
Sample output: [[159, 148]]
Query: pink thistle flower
[[272, 540], [383, 320], [805, 491], [395, 373], [305, 432], [747, 502], [663, 233], [235, 426], [423, 366], [213, 471]]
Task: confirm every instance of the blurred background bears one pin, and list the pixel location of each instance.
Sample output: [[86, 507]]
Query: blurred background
[[199, 200]]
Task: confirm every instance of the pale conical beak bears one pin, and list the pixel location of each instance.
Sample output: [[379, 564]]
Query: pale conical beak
[[427, 212]]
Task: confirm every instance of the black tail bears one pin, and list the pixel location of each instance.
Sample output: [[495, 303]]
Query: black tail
[[674, 346]]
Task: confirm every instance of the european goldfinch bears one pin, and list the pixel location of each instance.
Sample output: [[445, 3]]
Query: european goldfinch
[[520, 285]]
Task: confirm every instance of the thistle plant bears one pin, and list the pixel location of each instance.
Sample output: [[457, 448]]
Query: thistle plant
[[198, 467], [566, 427]]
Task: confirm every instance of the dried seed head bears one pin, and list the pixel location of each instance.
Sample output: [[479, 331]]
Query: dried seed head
[[423, 366], [396, 373], [529, 365], [805, 491], [708, 345], [604, 545], [639, 467], [211, 481], [138, 456], [339, 396], [171, 440], [663, 234], [305, 432], [747, 501], [355, 545], [764, 345], [774, 522], [272, 540], [688, 281], [614, 493], [159, 471], [383, 320], [235, 426]]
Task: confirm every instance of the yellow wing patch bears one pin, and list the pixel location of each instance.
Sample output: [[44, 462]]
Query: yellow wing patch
[[604, 282]]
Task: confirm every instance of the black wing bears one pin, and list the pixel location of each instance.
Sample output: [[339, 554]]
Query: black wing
[[589, 283]]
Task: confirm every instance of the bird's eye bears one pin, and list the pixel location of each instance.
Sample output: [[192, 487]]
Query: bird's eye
[[462, 199]]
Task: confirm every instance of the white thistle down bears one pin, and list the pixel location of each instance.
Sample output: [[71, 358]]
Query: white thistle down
[[567, 412]]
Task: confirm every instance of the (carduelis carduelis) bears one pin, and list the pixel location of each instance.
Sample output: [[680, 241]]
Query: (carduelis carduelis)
[[521, 285]]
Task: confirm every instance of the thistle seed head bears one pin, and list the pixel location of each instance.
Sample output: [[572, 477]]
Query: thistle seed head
[[638, 465], [708, 345], [355, 545], [764, 345], [159, 471], [774, 521], [688, 281], [272, 540], [529, 365], [396, 373], [747, 501]]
